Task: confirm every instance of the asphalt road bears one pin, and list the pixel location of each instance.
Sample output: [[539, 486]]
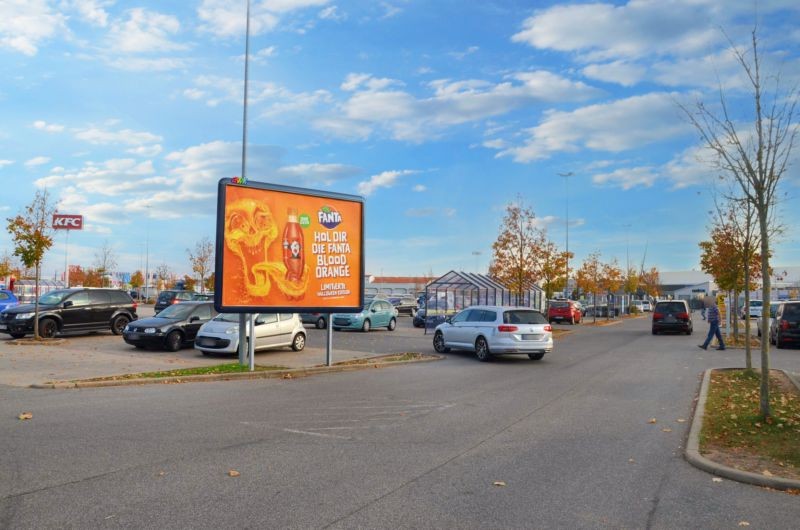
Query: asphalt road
[[418, 446]]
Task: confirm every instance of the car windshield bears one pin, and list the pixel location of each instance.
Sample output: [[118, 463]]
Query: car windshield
[[671, 307], [165, 296], [523, 317], [53, 297], [791, 311], [227, 317], [559, 304], [177, 311]]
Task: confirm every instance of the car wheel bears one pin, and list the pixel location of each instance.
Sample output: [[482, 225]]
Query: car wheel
[[299, 342], [392, 324], [778, 342], [536, 356], [438, 343], [139, 346], [320, 323], [689, 332], [336, 329], [119, 324], [17, 335], [173, 341], [655, 332], [365, 326], [759, 332], [482, 349], [47, 328]]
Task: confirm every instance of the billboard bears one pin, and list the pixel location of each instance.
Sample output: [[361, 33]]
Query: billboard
[[67, 222], [280, 248]]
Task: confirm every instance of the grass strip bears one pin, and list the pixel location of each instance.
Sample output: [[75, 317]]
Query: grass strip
[[229, 368], [733, 421]]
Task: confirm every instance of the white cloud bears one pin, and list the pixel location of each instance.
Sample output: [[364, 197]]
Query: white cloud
[[145, 31], [48, 127], [622, 72], [390, 10], [228, 19], [92, 11], [332, 13], [315, 174], [148, 151], [639, 28], [406, 117], [617, 126], [468, 51], [25, 24], [419, 188], [628, 178], [98, 136], [4, 163], [385, 179], [37, 161], [141, 64]]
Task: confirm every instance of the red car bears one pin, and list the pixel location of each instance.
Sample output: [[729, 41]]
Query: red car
[[563, 311]]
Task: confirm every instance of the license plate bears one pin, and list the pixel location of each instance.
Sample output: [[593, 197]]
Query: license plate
[[670, 318], [205, 342], [531, 337]]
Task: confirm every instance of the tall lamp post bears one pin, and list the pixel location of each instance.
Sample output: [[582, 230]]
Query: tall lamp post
[[566, 176], [147, 258]]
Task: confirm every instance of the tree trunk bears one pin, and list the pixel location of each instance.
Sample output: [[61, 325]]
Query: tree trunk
[[36, 304], [766, 288], [734, 316], [748, 358]]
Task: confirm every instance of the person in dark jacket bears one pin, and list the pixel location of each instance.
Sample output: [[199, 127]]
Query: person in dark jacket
[[712, 315]]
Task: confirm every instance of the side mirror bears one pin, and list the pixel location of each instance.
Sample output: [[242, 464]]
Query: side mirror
[[194, 318], [448, 319], [68, 303], [259, 321], [374, 310]]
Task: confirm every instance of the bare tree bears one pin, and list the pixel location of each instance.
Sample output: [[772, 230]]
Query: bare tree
[[202, 259], [105, 261], [32, 232], [754, 157], [163, 273]]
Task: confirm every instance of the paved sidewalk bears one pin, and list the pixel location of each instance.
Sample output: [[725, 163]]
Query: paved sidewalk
[[85, 357]]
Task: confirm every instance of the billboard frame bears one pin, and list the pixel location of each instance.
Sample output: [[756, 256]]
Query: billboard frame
[[219, 258]]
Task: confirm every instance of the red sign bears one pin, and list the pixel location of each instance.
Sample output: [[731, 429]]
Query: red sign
[[67, 222]]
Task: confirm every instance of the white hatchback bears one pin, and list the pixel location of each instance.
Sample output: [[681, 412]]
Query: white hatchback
[[490, 330], [273, 330]]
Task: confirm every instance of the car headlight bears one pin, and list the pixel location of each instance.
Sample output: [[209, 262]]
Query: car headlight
[[232, 330], [24, 316], [150, 330], [126, 328]]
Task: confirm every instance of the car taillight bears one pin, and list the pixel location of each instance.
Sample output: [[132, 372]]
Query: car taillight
[[135, 306], [548, 327], [506, 328], [784, 324], [175, 301], [684, 316], [658, 315]]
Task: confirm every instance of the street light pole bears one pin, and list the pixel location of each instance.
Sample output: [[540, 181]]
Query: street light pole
[[566, 176], [147, 258]]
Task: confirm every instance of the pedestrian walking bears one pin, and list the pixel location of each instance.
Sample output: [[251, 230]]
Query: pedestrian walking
[[712, 315]]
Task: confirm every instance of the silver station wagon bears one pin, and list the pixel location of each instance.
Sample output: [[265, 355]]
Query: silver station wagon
[[490, 330]]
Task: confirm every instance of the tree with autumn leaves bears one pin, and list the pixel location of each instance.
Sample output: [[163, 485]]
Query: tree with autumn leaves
[[598, 278], [32, 234], [523, 256]]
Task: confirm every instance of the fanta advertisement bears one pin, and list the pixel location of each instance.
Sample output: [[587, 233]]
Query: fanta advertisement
[[282, 249]]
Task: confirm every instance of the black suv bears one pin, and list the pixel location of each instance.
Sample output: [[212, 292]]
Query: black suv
[[406, 305], [79, 309], [672, 315], [168, 297], [786, 328]]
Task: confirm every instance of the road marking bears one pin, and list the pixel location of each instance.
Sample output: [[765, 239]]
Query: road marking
[[322, 435]]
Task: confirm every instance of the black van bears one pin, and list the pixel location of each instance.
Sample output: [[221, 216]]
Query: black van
[[168, 297], [78, 309]]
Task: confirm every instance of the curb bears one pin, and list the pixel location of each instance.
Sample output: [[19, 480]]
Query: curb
[[694, 457], [271, 374]]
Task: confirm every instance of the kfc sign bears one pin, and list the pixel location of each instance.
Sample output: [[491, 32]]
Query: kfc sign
[[67, 222]]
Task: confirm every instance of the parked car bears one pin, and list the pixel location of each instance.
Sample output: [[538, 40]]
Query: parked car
[[7, 299], [637, 305], [646, 305], [419, 319], [172, 328], [406, 305], [563, 311], [78, 309], [320, 320], [672, 315], [773, 308], [203, 297], [377, 313], [787, 324], [168, 297], [756, 307], [492, 330], [273, 330]]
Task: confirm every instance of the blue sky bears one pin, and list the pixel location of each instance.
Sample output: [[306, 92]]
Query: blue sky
[[439, 112]]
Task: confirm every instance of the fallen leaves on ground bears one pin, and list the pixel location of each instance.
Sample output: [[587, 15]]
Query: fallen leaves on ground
[[25, 416], [666, 429], [233, 473], [498, 483], [651, 420], [716, 479]]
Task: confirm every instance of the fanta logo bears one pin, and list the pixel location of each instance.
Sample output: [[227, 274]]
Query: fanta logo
[[329, 217]]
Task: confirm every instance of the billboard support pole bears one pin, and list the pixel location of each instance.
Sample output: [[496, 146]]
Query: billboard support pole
[[242, 337], [66, 262], [329, 342], [251, 344]]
